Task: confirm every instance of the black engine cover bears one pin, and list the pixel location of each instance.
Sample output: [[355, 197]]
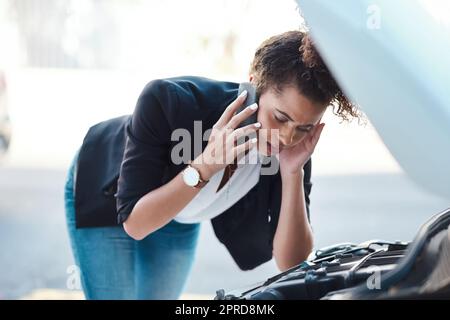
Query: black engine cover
[[372, 270]]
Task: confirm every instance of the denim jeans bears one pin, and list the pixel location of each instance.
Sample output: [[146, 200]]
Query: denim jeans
[[115, 266]]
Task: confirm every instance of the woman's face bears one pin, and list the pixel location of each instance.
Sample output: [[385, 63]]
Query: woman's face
[[286, 117]]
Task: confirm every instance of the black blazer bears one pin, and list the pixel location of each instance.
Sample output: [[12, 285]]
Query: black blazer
[[124, 158]]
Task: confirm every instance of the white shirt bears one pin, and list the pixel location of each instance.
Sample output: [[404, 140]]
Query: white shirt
[[208, 203]]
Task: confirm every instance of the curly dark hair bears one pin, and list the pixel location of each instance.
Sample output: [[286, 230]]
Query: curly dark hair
[[290, 58]]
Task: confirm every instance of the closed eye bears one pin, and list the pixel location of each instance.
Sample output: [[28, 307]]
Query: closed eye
[[280, 119], [301, 129], [283, 119]]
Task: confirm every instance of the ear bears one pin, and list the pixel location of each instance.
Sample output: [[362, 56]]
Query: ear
[[250, 78]]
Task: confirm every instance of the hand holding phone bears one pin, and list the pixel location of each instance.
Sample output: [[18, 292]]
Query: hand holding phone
[[224, 148]]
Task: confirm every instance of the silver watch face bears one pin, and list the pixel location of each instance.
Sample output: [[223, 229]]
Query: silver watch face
[[191, 176]]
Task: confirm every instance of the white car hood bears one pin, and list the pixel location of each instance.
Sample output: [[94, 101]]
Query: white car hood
[[393, 59]]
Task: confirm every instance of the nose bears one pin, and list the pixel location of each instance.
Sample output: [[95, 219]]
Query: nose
[[286, 136]]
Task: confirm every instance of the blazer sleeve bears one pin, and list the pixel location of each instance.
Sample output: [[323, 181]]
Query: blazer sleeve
[[146, 154]]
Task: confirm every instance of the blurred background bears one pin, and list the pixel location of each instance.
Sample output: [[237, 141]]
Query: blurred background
[[67, 64]]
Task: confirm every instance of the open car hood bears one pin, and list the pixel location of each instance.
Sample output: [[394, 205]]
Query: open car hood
[[391, 57]]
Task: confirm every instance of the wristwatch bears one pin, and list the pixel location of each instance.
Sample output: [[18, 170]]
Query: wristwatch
[[192, 178]]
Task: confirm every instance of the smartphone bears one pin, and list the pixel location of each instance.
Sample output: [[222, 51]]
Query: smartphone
[[251, 98]]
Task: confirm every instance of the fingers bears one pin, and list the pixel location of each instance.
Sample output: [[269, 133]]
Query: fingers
[[241, 116], [318, 131], [231, 110], [244, 131], [316, 134], [240, 149]]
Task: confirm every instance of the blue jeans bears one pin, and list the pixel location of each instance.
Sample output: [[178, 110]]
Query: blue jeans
[[115, 266]]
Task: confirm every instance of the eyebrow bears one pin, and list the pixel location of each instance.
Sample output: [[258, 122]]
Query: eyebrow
[[287, 116]]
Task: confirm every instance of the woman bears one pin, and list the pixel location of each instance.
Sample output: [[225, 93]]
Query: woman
[[144, 247]]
